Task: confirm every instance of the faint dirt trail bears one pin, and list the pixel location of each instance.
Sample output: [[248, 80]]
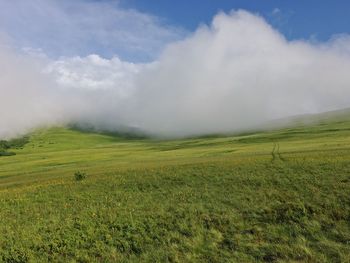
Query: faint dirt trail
[[273, 152], [276, 155]]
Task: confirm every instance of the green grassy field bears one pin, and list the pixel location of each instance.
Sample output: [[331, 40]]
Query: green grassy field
[[278, 196]]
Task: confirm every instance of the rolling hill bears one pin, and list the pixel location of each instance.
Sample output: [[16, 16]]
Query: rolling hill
[[273, 196]]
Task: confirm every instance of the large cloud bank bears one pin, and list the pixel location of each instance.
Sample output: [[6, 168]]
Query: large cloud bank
[[234, 75], [27, 97]]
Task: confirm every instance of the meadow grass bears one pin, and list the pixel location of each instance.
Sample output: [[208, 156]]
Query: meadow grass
[[275, 196]]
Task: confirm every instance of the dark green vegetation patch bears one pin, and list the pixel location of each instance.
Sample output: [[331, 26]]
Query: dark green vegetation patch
[[17, 143]]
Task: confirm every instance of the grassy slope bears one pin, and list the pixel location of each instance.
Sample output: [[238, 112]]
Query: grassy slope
[[274, 196]]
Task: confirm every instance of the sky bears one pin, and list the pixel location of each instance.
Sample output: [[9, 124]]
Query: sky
[[170, 70], [137, 30], [295, 19]]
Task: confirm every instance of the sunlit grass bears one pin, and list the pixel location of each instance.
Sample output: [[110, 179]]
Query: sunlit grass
[[272, 196]]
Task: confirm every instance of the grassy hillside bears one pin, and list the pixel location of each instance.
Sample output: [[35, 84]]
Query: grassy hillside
[[267, 197]]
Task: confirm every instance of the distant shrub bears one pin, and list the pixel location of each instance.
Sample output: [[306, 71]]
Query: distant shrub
[[78, 175], [3, 153], [14, 143], [4, 145], [18, 142]]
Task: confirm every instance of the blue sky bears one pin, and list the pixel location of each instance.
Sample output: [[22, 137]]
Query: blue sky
[[138, 30], [296, 19]]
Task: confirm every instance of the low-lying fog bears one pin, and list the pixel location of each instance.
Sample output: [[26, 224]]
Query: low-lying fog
[[233, 75]]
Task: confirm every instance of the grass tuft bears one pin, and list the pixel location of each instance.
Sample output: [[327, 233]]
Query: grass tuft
[[79, 176]]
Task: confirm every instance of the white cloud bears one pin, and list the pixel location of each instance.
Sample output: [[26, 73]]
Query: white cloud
[[237, 74], [95, 73], [233, 75], [27, 98]]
